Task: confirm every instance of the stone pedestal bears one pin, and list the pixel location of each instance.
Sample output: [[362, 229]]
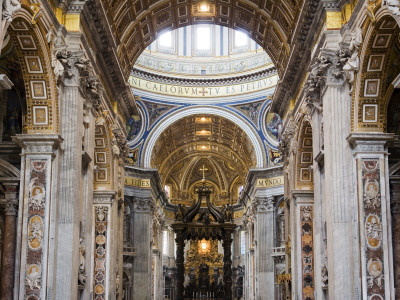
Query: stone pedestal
[[10, 204]]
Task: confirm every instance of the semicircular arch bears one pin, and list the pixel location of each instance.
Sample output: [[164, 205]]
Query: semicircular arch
[[157, 131]]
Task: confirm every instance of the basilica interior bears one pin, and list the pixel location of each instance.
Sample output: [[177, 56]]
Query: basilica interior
[[200, 149]]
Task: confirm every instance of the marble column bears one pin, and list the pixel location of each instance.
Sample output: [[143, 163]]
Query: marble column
[[180, 259], [68, 219], [10, 204], [338, 193], [375, 234], [142, 236], [264, 239]]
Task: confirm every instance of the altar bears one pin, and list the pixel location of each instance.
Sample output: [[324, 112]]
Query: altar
[[209, 276]]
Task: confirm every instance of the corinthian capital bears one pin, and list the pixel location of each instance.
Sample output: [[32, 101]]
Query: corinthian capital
[[10, 206], [73, 65], [143, 204], [264, 204]]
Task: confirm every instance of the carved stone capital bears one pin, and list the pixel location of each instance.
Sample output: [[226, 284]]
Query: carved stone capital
[[74, 66], [143, 205], [263, 205], [10, 206], [395, 206]]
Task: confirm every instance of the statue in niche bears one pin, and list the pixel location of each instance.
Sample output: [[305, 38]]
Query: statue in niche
[[133, 126]]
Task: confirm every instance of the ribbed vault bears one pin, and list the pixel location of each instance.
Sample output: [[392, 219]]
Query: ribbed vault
[[198, 141]]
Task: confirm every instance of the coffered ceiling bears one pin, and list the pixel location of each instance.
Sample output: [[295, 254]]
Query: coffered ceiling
[[135, 24], [200, 141]]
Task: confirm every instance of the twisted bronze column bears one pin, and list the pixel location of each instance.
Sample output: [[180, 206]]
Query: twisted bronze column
[[227, 243], [180, 269]]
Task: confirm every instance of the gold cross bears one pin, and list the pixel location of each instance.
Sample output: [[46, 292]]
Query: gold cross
[[204, 169]]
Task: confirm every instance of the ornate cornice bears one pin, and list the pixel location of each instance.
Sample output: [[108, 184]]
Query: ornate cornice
[[38, 143], [101, 36], [204, 82]]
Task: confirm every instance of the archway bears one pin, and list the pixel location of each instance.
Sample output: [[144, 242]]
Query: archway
[[156, 133]]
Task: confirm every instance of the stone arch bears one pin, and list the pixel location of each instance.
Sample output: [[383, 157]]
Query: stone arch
[[157, 131], [7, 170], [304, 157], [34, 53], [137, 26], [377, 73]]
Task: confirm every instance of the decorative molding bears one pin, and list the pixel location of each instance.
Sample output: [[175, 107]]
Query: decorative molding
[[104, 197], [369, 142], [38, 144]]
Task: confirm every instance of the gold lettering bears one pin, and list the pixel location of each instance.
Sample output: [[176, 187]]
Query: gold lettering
[[137, 182], [269, 182]]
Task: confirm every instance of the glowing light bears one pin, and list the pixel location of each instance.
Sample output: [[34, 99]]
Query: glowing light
[[204, 7], [203, 147], [203, 119], [204, 246]]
